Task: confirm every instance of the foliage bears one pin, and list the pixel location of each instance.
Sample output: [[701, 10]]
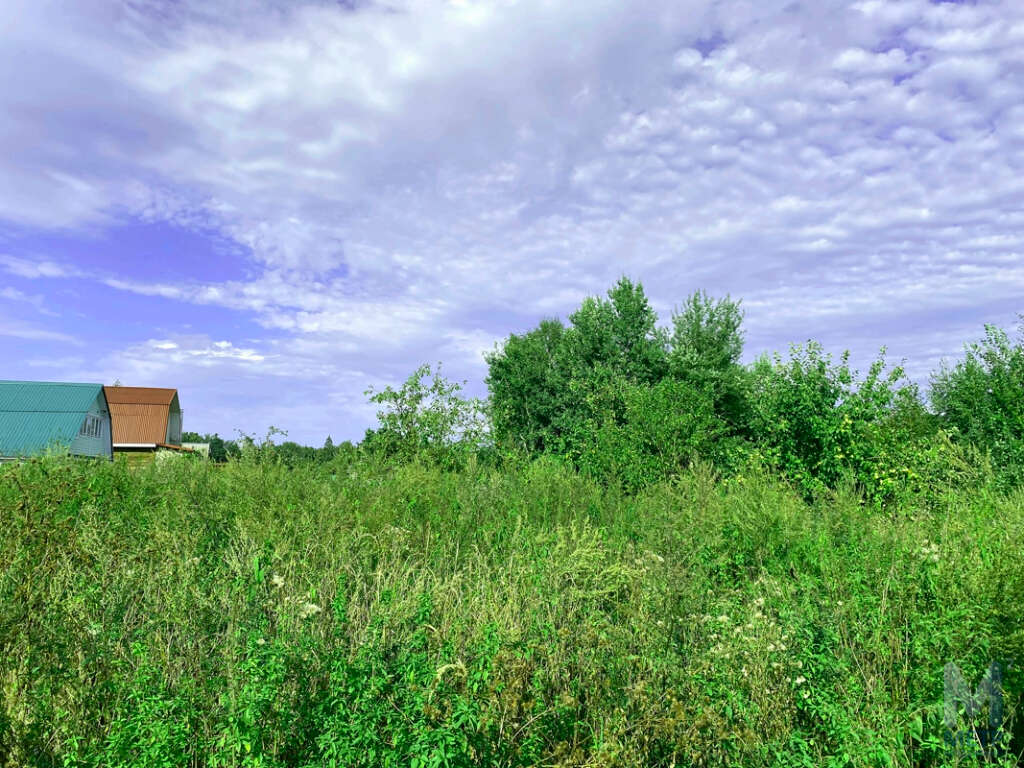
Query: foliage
[[525, 382], [705, 349], [981, 400], [252, 614], [647, 554], [655, 438], [616, 395], [220, 449], [821, 425], [426, 419]]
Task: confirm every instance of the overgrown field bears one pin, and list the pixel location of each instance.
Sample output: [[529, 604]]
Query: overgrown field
[[354, 613]]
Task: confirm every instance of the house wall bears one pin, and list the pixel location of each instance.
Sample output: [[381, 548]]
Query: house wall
[[98, 445], [174, 424]]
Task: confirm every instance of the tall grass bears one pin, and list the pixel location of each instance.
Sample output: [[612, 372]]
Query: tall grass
[[357, 614]]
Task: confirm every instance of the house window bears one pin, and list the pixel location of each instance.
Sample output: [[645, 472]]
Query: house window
[[91, 427]]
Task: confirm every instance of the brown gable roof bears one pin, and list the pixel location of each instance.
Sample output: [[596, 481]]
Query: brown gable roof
[[140, 395], [139, 414]]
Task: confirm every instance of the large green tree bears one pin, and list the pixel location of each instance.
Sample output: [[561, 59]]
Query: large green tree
[[617, 394], [705, 348], [526, 385]]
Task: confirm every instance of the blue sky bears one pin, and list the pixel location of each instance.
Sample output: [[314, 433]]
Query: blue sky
[[274, 205]]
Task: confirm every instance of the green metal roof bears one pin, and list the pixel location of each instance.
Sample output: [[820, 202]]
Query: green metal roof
[[37, 414]]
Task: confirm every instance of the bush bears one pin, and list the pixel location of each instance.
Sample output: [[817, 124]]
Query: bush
[[981, 401], [427, 420], [820, 425]]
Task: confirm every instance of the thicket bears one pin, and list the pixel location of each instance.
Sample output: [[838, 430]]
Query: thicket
[[630, 402], [365, 613]]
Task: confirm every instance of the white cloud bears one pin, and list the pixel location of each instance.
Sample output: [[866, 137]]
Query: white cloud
[[19, 329], [414, 182], [34, 269]]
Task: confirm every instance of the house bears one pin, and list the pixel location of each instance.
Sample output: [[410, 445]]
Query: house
[[145, 419], [36, 416]]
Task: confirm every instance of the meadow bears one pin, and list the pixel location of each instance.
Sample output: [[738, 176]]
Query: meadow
[[366, 613], [637, 552]]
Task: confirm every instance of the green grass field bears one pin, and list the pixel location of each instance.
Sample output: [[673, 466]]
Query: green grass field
[[357, 614]]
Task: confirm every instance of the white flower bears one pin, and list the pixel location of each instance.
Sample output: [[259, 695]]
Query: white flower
[[800, 680], [261, 641], [309, 609], [277, 580]]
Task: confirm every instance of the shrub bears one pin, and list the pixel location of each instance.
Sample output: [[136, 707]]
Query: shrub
[[821, 426], [426, 419], [981, 401]]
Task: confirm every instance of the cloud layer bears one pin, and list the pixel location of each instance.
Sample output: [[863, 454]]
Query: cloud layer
[[413, 181]]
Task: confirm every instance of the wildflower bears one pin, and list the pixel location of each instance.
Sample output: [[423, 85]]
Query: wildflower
[[277, 580], [807, 694], [261, 641], [724, 618], [309, 609], [800, 680]]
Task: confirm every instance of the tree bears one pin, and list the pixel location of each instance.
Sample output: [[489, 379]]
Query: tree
[[552, 386], [619, 335], [426, 418], [526, 387], [819, 423], [981, 399], [705, 349], [328, 451]]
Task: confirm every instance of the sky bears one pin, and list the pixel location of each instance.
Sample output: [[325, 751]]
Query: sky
[[273, 206]]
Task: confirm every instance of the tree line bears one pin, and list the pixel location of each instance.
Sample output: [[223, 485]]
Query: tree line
[[629, 401]]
